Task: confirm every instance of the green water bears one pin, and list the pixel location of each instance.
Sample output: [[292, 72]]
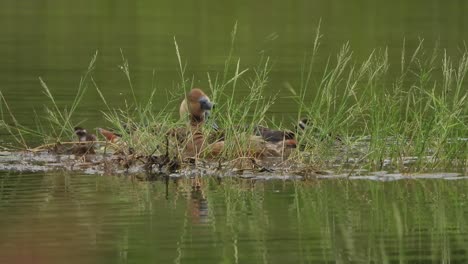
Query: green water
[[59, 218], [56, 39]]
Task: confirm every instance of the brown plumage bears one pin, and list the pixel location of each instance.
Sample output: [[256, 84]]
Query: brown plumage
[[260, 148], [109, 135], [196, 106], [282, 137], [197, 144], [285, 138]]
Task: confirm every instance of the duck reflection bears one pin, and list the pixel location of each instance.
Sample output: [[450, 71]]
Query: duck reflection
[[198, 205]]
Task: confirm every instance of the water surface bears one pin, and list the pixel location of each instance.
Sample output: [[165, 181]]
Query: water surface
[[57, 217], [55, 40], [73, 218]]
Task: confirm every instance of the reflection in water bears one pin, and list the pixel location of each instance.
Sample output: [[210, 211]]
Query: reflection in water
[[198, 205], [69, 218], [54, 218]]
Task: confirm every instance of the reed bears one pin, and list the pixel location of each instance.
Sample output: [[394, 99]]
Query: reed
[[57, 123], [410, 115], [363, 114]]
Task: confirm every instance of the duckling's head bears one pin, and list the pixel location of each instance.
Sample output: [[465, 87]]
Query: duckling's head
[[83, 135], [197, 105], [80, 132]]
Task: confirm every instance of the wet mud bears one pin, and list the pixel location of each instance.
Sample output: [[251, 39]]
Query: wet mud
[[147, 168]]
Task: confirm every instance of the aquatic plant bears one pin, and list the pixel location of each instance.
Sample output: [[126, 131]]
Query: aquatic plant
[[361, 115], [410, 115]]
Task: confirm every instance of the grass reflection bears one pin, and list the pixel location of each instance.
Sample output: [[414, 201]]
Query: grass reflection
[[233, 220], [369, 222]]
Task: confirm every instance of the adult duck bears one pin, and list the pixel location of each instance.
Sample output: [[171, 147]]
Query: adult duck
[[281, 137], [196, 107]]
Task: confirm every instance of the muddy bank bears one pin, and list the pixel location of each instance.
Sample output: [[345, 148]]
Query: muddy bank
[[270, 169]]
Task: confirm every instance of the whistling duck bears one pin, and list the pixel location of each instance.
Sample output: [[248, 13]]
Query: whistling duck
[[266, 142], [86, 145], [282, 140], [196, 107], [281, 137], [287, 138]]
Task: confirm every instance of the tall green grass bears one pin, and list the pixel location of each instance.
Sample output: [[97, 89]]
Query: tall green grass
[[382, 114], [421, 112], [56, 125]]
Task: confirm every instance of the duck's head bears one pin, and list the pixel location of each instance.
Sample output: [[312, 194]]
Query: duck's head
[[197, 105]]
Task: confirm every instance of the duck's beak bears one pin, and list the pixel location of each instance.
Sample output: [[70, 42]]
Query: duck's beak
[[205, 103]]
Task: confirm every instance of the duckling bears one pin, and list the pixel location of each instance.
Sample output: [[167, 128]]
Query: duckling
[[86, 145], [83, 135]]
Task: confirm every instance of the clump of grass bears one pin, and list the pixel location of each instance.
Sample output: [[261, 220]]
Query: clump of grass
[[357, 111], [410, 115], [57, 125]]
